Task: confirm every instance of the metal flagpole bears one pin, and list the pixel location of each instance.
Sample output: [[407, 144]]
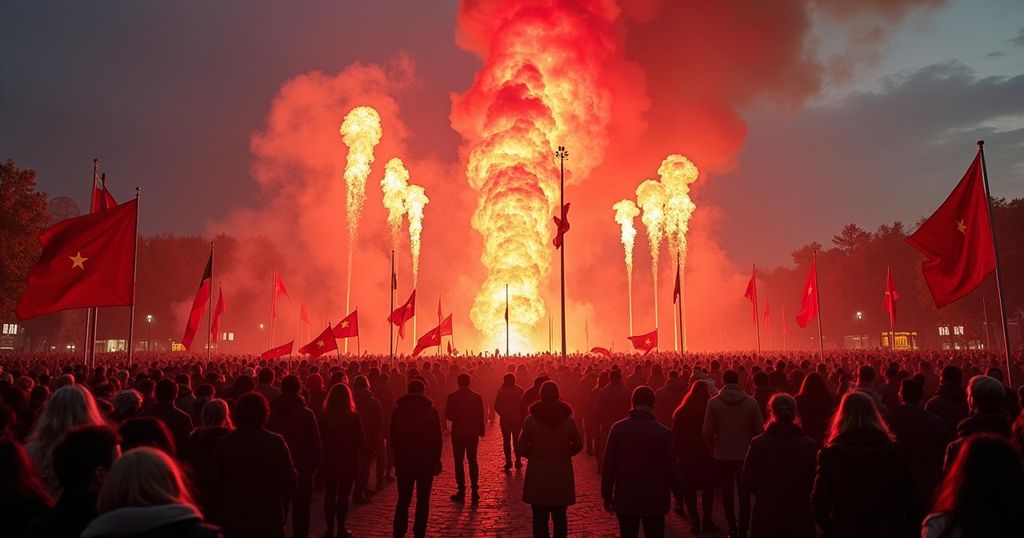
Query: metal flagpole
[[131, 309], [391, 323], [757, 324], [817, 297], [273, 308], [679, 303], [209, 310], [892, 316], [988, 333], [999, 279], [562, 155], [440, 338], [90, 312], [508, 332]]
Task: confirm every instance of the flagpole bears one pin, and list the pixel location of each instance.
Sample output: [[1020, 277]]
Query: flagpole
[[209, 309], [273, 307], [508, 333], [679, 304], [988, 333], [441, 338], [784, 331], [817, 298], [757, 325], [90, 312], [131, 309], [999, 278], [391, 323], [892, 314], [562, 154]]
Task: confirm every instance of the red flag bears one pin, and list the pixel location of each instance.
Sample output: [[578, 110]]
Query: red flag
[[751, 295], [562, 226], [891, 295], [279, 351], [323, 343], [218, 311], [101, 198], [348, 327], [279, 289], [303, 313], [677, 291], [601, 351], [645, 342], [809, 301], [403, 314], [432, 338], [86, 261], [957, 240], [446, 326], [198, 304]]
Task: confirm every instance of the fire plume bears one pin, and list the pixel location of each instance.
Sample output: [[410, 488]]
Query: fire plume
[[650, 196], [625, 212], [394, 185], [361, 132], [677, 174], [415, 199], [541, 86]]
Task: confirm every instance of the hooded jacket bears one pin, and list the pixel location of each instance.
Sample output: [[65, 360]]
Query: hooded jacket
[[160, 521], [416, 436], [732, 419], [549, 441]]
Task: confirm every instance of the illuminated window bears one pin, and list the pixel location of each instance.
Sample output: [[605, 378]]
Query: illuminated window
[[958, 330], [943, 331]]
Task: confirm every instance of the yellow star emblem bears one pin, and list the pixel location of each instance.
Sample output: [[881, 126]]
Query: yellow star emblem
[[961, 226], [344, 324], [319, 343], [810, 290], [647, 342], [78, 261]]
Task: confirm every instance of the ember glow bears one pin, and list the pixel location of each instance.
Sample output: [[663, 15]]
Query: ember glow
[[361, 132]]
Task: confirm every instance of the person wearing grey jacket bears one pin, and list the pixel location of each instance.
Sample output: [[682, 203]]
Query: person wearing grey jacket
[[732, 419]]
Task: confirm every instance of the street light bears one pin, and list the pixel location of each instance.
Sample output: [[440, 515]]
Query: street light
[[149, 332], [860, 329]]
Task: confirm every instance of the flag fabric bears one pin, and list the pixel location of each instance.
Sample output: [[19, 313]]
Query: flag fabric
[[601, 351], [809, 301], [348, 327], [451, 351], [86, 261], [751, 295], [303, 313], [101, 197], [198, 304], [279, 351], [891, 295], [431, 338], [957, 240], [677, 292], [218, 311], [645, 342], [561, 227], [403, 314], [446, 326], [279, 289], [323, 343]]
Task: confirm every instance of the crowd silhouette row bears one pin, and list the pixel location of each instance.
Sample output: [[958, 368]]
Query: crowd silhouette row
[[855, 444]]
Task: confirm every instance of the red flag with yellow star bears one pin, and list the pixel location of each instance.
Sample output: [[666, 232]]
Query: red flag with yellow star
[[86, 261], [403, 314], [323, 343], [957, 239], [348, 327], [432, 338], [645, 342]]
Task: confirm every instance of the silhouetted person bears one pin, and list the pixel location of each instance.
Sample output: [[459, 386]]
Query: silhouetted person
[[251, 475], [371, 415], [465, 410], [923, 435], [147, 431], [669, 397], [342, 436], [694, 456], [950, 402], [165, 409], [982, 495], [732, 419], [214, 424], [23, 497], [815, 404], [640, 470], [985, 398], [863, 486], [81, 461], [291, 419], [779, 473], [548, 442], [510, 418], [612, 406], [416, 437]]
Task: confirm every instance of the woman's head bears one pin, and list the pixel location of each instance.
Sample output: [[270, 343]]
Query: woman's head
[[697, 396], [339, 400], [70, 406], [857, 411], [143, 477], [984, 489], [814, 386], [549, 391], [782, 407], [215, 415]]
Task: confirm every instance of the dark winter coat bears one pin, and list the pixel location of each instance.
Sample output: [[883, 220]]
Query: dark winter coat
[[863, 487], [176, 420], [996, 424], [507, 405], [612, 404], [730, 422], [197, 455], [465, 410], [815, 415], [416, 436], [924, 437], [667, 398], [341, 438], [290, 418], [251, 476], [68, 518], [549, 441], [691, 450], [160, 521], [640, 469], [779, 472], [950, 403]]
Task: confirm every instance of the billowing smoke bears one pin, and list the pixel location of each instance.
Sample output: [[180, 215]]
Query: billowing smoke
[[650, 196], [394, 185], [625, 212], [361, 132], [541, 86]]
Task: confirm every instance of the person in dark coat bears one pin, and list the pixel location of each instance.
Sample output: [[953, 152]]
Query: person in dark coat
[[923, 435], [342, 438], [549, 441], [612, 406], [381, 389], [465, 410], [779, 472], [669, 397], [814, 406], [215, 423], [81, 461], [251, 475], [950, 402], [863, 486], [694, 456], [985, 397], [640, 470], [165, 409], [291, 419], [510, 418], [371, 415], [416, 437]]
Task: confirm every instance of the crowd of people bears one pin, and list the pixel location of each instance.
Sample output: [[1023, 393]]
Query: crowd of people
[[792, 445]]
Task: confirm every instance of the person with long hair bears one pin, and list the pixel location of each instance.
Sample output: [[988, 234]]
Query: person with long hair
[[144, 495], [779, 472], [694, 456], [982, 494], [23, 497], [341, 434], [863, 485], [814, 406], [70, 406], [214, 424]]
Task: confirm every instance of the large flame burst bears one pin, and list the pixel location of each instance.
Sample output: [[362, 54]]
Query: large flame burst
[[415, 199], [361, 132], [677, 173], [540, 87], [625, 212], [650, 196], [394, 185]]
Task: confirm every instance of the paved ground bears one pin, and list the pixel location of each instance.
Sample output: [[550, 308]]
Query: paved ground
[[500, 511]]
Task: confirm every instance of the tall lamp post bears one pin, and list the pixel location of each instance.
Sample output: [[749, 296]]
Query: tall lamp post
[[149, 332]]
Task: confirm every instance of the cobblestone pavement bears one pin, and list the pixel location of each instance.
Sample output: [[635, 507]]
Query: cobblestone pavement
[[500, 511]]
